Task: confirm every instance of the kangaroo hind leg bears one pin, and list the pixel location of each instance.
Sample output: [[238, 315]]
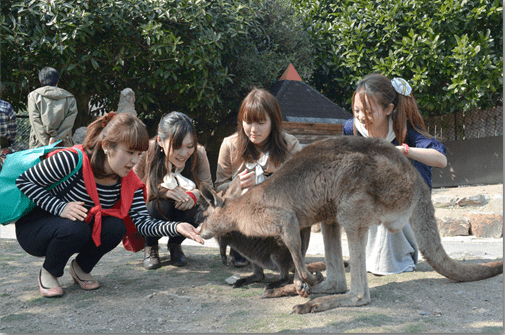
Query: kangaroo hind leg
[[359, 294], [335, 281]]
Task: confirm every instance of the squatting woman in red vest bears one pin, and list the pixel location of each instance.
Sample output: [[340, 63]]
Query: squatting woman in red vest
[[90, 213]]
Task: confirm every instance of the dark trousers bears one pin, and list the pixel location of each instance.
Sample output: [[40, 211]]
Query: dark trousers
[[43, 234], [165, 210]]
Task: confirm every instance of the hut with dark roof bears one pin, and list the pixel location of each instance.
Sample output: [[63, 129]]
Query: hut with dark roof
[[306, 113]]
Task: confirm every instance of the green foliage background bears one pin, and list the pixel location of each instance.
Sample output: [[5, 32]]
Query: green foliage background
[[450, 51], [198, 57], [202, 57]]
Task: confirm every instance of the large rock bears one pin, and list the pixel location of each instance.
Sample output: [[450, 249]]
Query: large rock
[[474, 200], [127, 102], [484, 224], [79, 135], [453, 226], [442, 201]]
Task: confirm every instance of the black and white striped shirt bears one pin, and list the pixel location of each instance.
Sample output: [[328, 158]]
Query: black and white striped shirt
[[35, 180]]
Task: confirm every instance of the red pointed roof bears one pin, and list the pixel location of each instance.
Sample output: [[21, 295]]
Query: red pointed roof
[[290, 74]]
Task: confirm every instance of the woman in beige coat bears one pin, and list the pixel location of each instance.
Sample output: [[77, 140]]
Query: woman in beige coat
[[256, 150], [172, 169]]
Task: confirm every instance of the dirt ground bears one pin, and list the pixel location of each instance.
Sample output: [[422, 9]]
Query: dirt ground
[[196, 299]]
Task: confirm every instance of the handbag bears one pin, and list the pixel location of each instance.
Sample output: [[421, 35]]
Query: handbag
[[133, 241], [14, 203]]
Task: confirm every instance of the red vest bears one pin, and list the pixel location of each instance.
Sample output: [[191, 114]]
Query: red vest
[[129, 185]]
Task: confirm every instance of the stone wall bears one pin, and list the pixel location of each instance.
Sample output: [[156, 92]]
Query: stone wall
[[480, 215]]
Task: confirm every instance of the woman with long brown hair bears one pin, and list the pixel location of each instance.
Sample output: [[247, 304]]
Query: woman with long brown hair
[[257, 149], [387, 109]]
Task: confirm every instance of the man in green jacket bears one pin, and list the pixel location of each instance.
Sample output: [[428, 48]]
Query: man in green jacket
[[52, 111]]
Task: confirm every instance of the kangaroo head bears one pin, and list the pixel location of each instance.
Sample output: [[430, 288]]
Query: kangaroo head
[[215, 219]]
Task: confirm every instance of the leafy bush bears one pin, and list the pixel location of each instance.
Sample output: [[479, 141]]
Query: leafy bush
[[450, 51], [198, 57]]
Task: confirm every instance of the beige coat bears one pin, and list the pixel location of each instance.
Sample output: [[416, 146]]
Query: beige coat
[[52, 112], [228, 167], [202, 170]]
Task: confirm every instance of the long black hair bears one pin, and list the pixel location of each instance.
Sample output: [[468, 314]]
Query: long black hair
[[173, 126]]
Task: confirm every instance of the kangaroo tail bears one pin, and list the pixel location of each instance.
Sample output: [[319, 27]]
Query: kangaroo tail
[[425, 228]]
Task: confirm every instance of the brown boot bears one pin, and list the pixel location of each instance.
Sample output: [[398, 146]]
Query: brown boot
[[151, 258], [177, 257]]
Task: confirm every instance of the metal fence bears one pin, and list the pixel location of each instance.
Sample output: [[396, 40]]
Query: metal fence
[[23, 135], [467, 125], [24, 127], [452, 127]]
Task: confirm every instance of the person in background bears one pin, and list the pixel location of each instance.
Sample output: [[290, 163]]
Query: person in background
[[52, 111], [173, 168], [88, 213], [256, 150], [8, 129], [387, 109]]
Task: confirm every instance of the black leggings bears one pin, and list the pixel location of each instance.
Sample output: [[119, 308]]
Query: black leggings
[[166, 211], [41, 233]]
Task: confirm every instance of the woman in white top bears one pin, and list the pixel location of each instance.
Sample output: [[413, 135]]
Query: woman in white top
[[256, 150]]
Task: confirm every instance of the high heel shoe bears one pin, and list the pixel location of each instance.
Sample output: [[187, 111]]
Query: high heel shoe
[[88, 285], [49, 292]]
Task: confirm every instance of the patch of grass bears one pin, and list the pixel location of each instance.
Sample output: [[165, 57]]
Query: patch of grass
[[265, 323], [361, 330], [376, 320], [385, 295], [216, 288], [80, 297], [414, 328], [239, 313], [85, 303], [491, 329], [246, 292], [17, 317], [39, 301]]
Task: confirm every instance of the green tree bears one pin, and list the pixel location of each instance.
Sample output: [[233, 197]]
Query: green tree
[[450, 51], [199, 57]]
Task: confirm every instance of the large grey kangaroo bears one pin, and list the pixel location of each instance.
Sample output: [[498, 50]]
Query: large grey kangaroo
[[350, 182]]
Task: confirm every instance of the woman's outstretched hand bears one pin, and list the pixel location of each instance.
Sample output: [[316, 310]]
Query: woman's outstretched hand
[[187, 230]]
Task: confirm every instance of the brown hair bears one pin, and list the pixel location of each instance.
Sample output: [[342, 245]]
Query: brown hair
[[173, 126], [379, 89], [113, 129], [255, 106]]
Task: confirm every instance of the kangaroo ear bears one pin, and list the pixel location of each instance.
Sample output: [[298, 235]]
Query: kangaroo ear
[[210, 195], [234, 190]]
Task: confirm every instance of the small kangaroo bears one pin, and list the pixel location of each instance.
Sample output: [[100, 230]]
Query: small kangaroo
[[268, 253], [264, 253], [350, 182]]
